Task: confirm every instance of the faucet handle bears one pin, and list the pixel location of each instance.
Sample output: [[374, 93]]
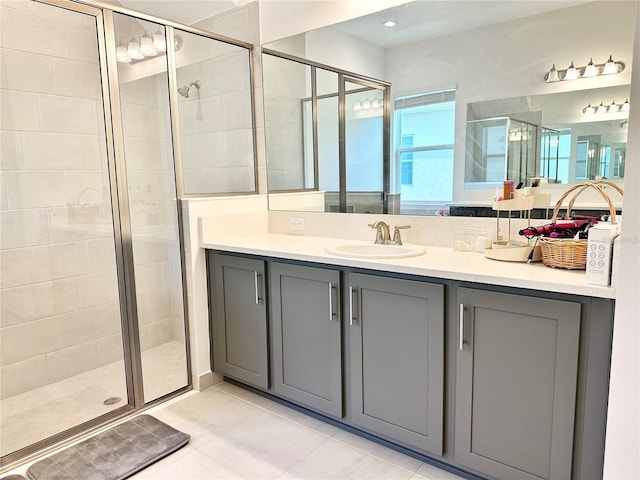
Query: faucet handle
[[396, 233]]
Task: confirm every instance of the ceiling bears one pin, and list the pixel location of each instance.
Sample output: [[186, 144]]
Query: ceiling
[[417, 20], [426, 19]]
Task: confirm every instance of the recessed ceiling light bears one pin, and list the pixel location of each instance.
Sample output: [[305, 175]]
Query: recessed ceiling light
[[390, 23]]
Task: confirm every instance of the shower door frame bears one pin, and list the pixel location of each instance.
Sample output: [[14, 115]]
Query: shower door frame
[[123, 239]]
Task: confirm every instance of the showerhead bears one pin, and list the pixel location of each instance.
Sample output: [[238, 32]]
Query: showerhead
[[184, 91]]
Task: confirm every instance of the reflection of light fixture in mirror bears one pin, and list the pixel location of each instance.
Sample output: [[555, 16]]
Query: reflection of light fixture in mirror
[[146, 45], [602, 108], [368, 104], [590, 70], [389, 23]]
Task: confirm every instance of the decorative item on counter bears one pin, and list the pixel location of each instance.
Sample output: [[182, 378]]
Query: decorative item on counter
[[510, 250], [564, 244]]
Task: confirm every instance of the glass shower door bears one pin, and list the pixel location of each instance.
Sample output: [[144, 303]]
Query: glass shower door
[[61, 341], [152, 226]]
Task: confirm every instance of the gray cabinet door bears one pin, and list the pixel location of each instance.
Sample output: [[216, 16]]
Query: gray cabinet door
[[239, 320], [397, 359], [305, 306], [516, 374]]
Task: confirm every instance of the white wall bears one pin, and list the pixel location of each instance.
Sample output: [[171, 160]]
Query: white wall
[[622, 449]]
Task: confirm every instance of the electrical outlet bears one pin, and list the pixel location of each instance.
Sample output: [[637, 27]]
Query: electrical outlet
[[296, 223]]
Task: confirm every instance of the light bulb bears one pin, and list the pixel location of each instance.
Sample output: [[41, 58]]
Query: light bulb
[[625, 106], [601, 108], [610, 67], [590, 70], [159, 42], [572, 73], [552, 76], [121, 54], [146, 46], [589, 110], [613, 107], [133, 49]]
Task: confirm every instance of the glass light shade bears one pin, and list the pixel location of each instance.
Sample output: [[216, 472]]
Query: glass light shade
[[613, 107], [572, 73], [590, 70], [133, 49], [610, 67], [159, 42], [589, 110], [122, 55], [357, 107], [366, 104], [601, 108], [625, 106], [146, 46], [552, 76]]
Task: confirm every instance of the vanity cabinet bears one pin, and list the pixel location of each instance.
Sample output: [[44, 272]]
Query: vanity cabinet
[[307, 345], [515, 384], [496, 381], [396, 330], [239, 320]]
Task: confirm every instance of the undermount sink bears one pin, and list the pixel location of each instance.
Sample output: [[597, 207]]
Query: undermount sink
[[375, 250]]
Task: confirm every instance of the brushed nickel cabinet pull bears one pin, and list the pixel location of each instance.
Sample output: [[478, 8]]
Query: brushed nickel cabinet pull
[[257, 276], [332, 314]]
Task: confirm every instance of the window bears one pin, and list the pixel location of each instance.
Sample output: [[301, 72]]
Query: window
[[406, 160], [424, 133]]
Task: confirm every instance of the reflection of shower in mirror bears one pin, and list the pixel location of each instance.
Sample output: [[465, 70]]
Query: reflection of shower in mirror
[[184, 91]]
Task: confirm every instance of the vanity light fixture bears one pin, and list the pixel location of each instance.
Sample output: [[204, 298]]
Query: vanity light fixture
[[145, 46], [389, 23], [602, 108], [572, 72]]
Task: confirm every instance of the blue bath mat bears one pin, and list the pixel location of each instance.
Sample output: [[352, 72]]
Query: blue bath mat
[[114, 454]]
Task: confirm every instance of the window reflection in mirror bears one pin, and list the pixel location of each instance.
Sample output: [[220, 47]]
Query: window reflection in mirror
[[446, 45]]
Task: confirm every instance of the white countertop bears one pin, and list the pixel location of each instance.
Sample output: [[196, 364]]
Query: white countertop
[[437, 262]]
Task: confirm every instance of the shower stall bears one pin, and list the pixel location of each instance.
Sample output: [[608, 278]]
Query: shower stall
[[107, 119]]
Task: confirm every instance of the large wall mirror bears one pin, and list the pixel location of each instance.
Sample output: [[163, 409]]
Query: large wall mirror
[[470, 102]]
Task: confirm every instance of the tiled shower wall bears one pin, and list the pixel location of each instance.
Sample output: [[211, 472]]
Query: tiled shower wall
[[285, 83], [59, 302]]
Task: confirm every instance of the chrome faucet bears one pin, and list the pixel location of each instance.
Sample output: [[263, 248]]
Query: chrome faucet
[[382, 232]]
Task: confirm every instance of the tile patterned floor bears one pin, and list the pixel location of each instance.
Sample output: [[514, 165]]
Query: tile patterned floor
[[236, 434], [45, 411]]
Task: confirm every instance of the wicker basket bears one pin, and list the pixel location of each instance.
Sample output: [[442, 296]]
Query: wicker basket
[[571, 253]]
